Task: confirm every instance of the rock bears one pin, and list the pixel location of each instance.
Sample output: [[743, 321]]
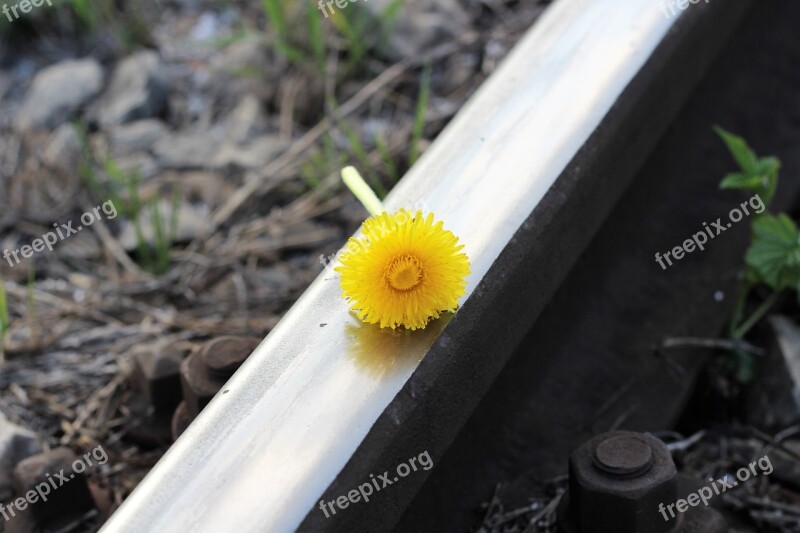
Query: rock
[[140, 163], [188, 150], [422, 24], [786, 467], [138, 90], [83, 245], [773, 400], [201, 186], [246, 145], [247, 120], [16, 444], [137, 136], [208, 26], [459, 69], [58, 92], [253, 154], [193, 220], [71, 497], [64, 150], [241, 69]]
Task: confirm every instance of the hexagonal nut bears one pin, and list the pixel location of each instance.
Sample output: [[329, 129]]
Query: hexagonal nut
[[67, 490], [198, 387], [157, 371], [618, 480], [180, 421]]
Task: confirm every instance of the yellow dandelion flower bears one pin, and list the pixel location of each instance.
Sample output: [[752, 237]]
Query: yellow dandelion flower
[[404, 271]]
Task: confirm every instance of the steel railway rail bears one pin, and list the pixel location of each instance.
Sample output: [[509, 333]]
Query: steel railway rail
[[524, 174]]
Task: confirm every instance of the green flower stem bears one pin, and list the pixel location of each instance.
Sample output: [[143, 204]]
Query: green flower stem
[[741, 301], [362, 191], [762, 310]]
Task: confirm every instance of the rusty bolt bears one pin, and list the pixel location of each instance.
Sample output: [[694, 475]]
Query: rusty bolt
[[198, 387], [224, 355], [157, 373], [180, 421], [44, 470], [205, 371], [617, 481]]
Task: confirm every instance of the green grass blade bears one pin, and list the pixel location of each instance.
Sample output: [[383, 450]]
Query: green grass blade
[[363, 160], [419, 117], [4, 323], [316, 37], [386, 157]]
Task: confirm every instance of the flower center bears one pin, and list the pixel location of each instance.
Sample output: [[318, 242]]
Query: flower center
[[404, 273]]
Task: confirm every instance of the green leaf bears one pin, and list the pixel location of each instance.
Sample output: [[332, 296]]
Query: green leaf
[[769, 166], [739, 150], [757, 175], [737, 180], [775, 251]]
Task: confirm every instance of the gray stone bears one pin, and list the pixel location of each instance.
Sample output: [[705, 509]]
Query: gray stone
[[247, 120], [422, 24], [203, 186], [278, 278], [773, 400], [16, 443], [188, 150], [459, 69], [244, 68], [140, 163], [63, 151], [58, 92], [254, 154], [138, 90], [247, 53], [83, 245], [137, 136]]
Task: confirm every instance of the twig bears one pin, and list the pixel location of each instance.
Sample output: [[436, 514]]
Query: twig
[[116, 251], [723, 344], [549, 509], [686, 443]]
